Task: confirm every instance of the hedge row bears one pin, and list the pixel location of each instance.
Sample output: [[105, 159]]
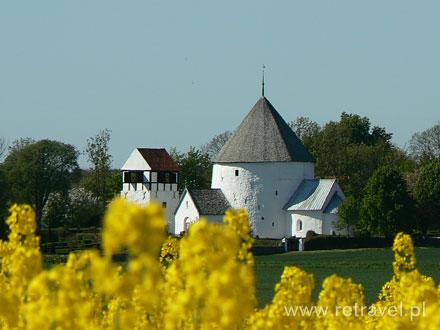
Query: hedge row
[[323, 242], [340, 242]]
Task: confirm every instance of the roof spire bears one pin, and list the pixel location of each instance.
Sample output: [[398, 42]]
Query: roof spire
[[262, 82]]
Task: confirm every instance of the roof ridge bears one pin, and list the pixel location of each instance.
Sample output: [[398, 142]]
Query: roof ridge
[[263, 136]]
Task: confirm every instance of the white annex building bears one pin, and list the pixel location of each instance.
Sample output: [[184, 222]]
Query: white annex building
[[263, 168]]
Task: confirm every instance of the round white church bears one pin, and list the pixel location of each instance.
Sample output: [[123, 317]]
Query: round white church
[[265, 169]]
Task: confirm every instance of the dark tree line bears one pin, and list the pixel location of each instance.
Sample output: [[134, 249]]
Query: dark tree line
[[46, 175], [388, 189]]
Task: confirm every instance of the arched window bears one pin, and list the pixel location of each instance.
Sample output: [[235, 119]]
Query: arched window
[[299, 225], [186, 224]]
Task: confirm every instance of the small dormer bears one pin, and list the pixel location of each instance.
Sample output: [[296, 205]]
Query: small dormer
[[150, 170]]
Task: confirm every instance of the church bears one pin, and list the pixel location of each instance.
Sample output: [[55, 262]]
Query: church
[[263, 168]]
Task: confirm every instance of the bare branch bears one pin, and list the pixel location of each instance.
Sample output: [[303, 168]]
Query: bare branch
[[3, 146], [426, 145], [213, 147]]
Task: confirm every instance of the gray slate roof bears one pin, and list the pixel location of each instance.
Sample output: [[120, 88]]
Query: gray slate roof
[[209, 201], [263, 136], [310, 195]]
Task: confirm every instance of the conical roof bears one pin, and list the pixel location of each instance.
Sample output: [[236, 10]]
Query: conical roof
[[263, 136]]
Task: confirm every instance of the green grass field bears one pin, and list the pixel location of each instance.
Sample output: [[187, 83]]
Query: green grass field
[[369, 267]]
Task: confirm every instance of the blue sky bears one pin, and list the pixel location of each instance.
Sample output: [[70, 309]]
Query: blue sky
[[175, 73]]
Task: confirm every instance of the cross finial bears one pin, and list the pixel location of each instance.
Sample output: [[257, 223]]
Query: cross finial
[[262, 82]]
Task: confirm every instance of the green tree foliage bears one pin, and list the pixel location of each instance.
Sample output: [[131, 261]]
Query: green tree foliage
[[351, 150], [3, 203], [348, 213], [427, 195], [305, 128], [55, 213], [85, 209], [195, 168], [78, 208], [99, 179], [36, 170], [387, 207]]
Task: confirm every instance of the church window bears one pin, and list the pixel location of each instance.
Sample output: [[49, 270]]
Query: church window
[[262, 218], [186, 204], [276, 192], [164, 205], [236, 172], [299, 225], [273, 224], [186, 224]]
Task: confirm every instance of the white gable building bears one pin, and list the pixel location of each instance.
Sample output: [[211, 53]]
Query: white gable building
[[152, 175], [265, 169], [194, 204]]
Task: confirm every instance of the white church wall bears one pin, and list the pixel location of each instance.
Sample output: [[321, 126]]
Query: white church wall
[[153, 176], [187, 212], [143, 197], [329, 224], [311, 221], [171, 198], [262, 189]]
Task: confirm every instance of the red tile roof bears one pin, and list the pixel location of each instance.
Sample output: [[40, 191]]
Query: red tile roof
[[159, 159]]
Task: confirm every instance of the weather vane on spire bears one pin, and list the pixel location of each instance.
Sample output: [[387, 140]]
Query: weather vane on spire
[[262, 83]]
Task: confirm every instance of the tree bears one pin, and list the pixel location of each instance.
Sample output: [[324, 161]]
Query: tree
[[195, 168], [78, 208], [3, 203], [36, 170], [85, 208], [213, 147], [304, 127], [20, 143], [425, 146], [98, 179], [387, 207], [427, 195], [351, 150], [3, 146], [348, 215], [55, 212]]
